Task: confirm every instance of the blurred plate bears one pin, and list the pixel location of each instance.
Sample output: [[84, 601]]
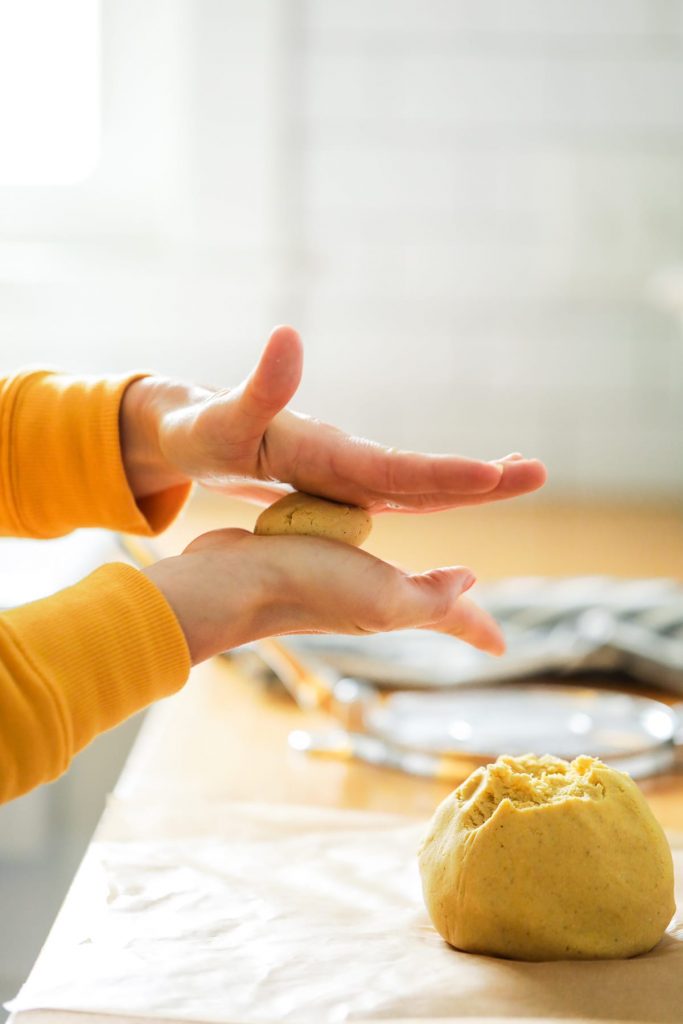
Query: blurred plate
[[552, 627], [415, 658], [513, 719]]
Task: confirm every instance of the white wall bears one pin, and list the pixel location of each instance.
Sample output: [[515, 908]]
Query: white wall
[[490, 187], [461, 204]]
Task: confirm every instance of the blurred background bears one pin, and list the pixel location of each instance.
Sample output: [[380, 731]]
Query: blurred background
[[472, 210]]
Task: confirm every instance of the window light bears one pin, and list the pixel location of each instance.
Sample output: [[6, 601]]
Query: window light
[[49, 91]]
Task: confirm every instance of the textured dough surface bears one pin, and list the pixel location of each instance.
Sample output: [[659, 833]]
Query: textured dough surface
[[305, 514], [539, 859]]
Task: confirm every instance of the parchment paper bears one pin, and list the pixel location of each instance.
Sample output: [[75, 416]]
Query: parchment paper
[[252, 914]]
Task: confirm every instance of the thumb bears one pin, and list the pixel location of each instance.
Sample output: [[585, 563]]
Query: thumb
[[271, 385], [457, 615], [434, 593]]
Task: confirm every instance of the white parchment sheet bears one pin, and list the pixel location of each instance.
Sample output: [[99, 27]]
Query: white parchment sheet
[[252, 914]]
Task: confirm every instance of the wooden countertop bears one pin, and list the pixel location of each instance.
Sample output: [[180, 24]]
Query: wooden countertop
[[225, 737]]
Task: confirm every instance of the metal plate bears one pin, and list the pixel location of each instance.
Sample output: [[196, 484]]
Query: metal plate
[[552, 626], [513, 719]]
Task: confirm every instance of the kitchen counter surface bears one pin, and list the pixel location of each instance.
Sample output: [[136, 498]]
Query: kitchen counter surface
[[224, 737]]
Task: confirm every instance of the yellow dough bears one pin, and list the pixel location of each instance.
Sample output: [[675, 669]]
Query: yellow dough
[[534, 858], [315, 517]]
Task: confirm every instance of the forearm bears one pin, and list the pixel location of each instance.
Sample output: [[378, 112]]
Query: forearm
[[78, 663]]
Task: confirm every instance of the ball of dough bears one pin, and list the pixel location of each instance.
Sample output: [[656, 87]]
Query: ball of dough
[[315, 517], [538, 859]]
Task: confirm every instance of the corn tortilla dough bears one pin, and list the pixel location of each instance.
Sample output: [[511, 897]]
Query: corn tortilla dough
[[539, 859], [300, 513]]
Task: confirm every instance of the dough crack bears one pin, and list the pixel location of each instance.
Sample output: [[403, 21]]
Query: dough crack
[[526, 782]]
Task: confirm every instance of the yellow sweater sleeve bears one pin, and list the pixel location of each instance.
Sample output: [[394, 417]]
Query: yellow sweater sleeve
[[60, 459], [81, 661]]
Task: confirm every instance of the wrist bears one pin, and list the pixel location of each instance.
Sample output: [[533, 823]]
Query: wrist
[[167, 576], [145, 403], [217, 599]]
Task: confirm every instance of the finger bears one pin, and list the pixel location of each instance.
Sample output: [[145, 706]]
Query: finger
[[273, 382], [467, 621], [433, 600], [393, 472], [330, 462], [519, 477], [426, 598]]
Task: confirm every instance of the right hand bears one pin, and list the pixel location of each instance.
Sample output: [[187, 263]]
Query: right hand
[[230, 587]]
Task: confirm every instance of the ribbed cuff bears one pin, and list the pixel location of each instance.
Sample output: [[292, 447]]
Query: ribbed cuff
[[105, 648], [60, 459]]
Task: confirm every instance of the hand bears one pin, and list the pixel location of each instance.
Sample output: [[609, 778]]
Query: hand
[[230, 587], [228, 439]]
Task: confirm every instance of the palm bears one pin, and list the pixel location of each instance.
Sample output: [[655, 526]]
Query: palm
[[368, 596]]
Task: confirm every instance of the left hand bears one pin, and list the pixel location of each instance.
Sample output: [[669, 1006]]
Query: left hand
[[230, 587], [243, 440]]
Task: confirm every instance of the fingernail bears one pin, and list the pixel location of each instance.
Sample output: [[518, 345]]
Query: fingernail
[[468, 582], [512, 457]]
